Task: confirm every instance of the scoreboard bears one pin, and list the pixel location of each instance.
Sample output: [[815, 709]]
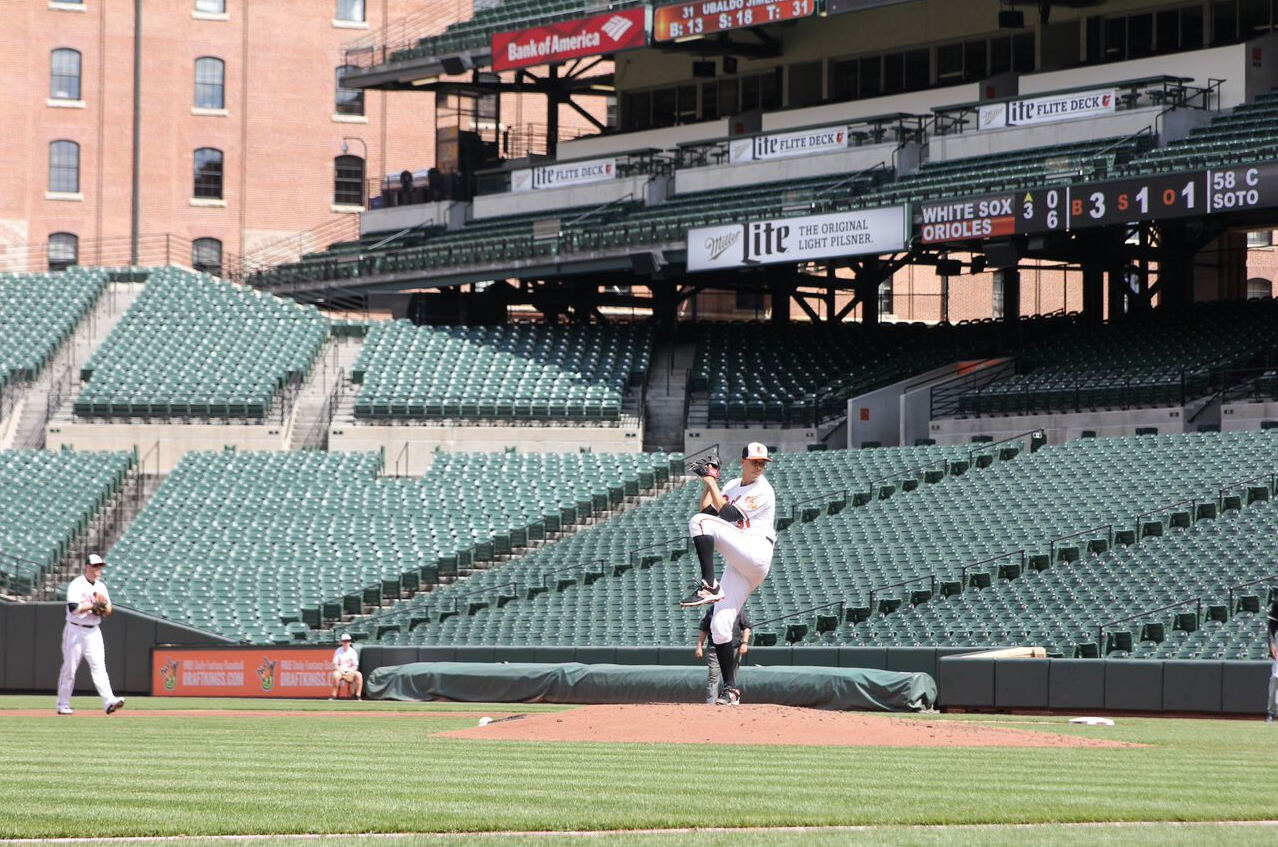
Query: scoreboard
[[684, 20], [1086, 205]]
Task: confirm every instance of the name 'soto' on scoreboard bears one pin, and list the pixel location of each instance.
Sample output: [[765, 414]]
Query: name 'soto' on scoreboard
[[1085, 205]]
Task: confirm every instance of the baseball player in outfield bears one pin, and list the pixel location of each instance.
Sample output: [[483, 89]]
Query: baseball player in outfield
[[737, 522], [1271, 709], [88, 602]]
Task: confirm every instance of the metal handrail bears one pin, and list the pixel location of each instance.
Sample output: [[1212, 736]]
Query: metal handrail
[[794, 508], [1109, 530], [1100, 629], [963, 570], [989, 445], [1267, 578], [754, 625], [931, 577]]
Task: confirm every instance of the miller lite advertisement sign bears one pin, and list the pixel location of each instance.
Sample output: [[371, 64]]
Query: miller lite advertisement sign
[[624, 29], [1044, 110], [563, 176], [800, 239], [781, 145]]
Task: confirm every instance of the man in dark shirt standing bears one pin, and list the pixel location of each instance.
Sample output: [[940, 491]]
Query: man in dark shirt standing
[[740, 644]]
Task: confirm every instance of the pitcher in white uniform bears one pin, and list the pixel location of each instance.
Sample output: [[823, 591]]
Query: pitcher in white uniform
[[737, 522], [82, 639]]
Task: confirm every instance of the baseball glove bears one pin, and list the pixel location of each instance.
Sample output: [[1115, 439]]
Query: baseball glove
[[100, 606], [708, 466]]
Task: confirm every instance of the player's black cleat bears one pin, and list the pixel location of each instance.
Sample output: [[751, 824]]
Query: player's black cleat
[[115, 705], [732, 696], [702, 596]]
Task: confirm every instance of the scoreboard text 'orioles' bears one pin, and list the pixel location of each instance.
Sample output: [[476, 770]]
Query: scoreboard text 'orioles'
[[684, 20]]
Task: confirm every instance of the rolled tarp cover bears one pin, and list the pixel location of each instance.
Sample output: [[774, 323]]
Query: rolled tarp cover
[[838, 689]]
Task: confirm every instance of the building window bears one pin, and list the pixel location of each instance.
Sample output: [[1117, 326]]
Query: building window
[[1260, 238], [886, 303], [210, 76], [63, 251], [348, 101], [206, 255], [212, 7], [348, 181], [64, 74], [208, 173], [64, 167], [350, 10]]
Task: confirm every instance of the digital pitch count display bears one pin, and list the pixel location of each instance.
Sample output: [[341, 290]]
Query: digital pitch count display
[[688, 20]]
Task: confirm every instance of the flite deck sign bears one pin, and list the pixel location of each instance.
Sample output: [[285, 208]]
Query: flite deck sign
[[594, 36], [688, 20]]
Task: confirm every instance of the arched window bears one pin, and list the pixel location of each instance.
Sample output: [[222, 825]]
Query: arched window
[[208, 173], [64, 74], [350, 10], [348, 181], [347, 101], [210, 76], [64, 251], [1258, 286], [64, 167], [206, 255]]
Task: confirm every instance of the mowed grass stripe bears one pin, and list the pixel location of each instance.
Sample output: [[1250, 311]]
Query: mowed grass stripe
[[205, 775], [1104, 835]]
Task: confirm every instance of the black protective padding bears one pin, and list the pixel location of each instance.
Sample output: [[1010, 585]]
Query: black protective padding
[[1244, 687], [678, 655], [139, 637], [637, 656], [781, 656], [436, 653], [1191, 686], [964, 682], [19, 644], [522, 653], [1076, 684], [557, 653], [49, 620], [1021, 683], [1134, 685], [863, 657], [596, 655], [817, 657], [4, 646], [912, 660], [464, 653]]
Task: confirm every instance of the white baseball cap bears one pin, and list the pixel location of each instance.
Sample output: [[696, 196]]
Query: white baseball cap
[[346, 636], [95, 559], [755, 450]]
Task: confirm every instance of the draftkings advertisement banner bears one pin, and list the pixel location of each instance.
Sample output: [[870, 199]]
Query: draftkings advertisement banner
[[563, 176], [624, 29], [781, 145], [254, 672], [800, 239], [1044, 110]]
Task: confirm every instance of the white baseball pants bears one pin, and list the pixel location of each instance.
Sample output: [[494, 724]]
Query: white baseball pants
[[81, 643], [748, 557]]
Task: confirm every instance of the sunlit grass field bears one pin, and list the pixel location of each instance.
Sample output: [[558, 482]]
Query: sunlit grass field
[[341, 772]]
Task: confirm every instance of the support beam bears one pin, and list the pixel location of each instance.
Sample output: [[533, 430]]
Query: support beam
[[1010, 294]]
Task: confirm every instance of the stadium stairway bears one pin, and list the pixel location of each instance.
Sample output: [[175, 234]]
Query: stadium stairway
[[663, 414], [59, 381], [329, 374]]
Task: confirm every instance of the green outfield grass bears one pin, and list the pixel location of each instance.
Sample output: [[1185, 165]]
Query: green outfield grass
[[342, 773]]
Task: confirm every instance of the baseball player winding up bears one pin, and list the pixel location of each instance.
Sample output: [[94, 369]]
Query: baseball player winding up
[[88, 604], [737, 522]]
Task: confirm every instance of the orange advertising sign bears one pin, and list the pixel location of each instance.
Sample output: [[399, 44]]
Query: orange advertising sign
[[247, 672]]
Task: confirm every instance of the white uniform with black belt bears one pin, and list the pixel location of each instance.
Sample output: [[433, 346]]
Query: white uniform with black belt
[[82, 640], [746, 547]]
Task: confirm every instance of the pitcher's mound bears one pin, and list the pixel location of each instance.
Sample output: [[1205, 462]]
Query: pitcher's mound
[[673, 723]]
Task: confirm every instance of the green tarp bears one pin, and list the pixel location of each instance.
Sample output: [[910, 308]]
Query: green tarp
[[839, 689]]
